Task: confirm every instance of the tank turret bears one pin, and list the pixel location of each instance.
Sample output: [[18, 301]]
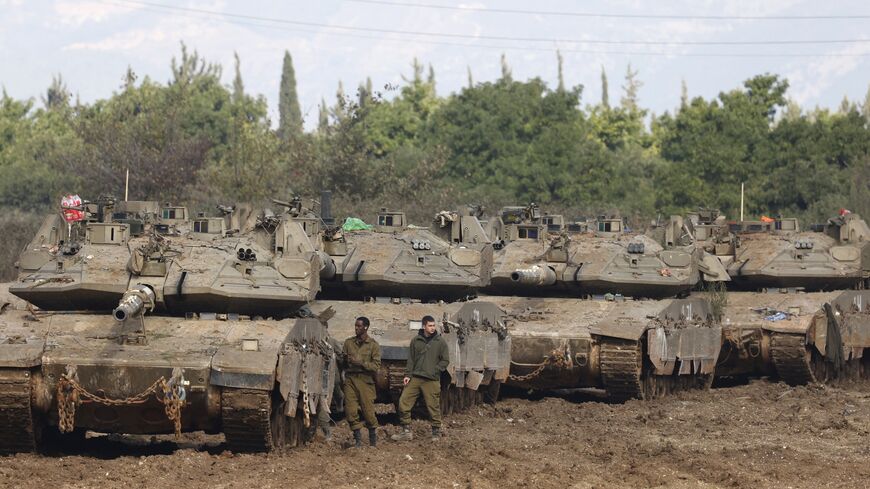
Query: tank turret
[[546, 255], [241, 261], [450, 260], [776, 253]]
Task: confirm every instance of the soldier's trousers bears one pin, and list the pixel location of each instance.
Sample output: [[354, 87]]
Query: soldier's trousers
[[359, 395], [431, 391]]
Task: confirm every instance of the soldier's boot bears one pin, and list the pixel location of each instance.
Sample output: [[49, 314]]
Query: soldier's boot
[[405, 435], [373, 437], [436, 432], [357, 438], [327, 432]]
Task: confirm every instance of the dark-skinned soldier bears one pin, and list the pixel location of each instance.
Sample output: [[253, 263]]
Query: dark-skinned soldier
[[427, 359], [362, 361]]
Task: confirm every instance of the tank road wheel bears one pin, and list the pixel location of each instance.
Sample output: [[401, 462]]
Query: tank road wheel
[[20, 428]]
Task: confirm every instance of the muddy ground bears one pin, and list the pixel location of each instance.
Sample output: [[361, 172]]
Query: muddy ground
[[753, 436]]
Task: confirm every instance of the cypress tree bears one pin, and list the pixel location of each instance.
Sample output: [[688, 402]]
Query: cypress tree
[[866, 108], [684, 94], [323, 117], [238, 86], [289, 113], [506, 73], [561, 76], [631, 89], [605, 96]]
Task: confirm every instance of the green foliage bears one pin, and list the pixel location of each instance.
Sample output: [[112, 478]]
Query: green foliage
[[196, 140], [19, 227], [290, 122]]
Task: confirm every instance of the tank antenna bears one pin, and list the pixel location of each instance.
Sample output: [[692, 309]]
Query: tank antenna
[[126, 185], [741, 201]]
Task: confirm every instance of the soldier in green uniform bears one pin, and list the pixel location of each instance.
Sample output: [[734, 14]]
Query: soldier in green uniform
[[427, 359], [362, 360]]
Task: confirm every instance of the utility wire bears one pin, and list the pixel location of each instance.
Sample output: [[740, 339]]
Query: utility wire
[[492, 38], [609, 15], [502, 48]]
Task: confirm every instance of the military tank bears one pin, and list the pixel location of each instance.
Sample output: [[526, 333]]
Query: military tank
[[449, 260], [543, 255], [775, 253], [632, 349], [205, 361], [254, 264], [800, 338], [259, 382], [785, 329]]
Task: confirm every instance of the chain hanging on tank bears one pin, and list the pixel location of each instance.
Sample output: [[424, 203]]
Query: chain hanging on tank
[[71, 394]]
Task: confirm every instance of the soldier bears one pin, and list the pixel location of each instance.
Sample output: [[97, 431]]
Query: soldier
[[362, 360], [427, 359]]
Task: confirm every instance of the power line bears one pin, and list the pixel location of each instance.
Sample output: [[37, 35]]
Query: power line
[[502, 48], [493, 38], [609, 15]]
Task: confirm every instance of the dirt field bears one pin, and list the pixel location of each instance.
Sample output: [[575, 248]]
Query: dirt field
[[753, 436]]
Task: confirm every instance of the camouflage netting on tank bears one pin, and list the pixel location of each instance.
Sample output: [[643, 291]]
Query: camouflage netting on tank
[[355, 224]]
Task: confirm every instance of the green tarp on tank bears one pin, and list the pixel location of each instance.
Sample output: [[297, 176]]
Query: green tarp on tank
[[355, 224]]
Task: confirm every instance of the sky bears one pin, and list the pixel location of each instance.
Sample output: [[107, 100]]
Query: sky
[[712, 45]]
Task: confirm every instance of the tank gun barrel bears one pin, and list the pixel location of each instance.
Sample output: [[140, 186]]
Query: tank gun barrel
[[282, 203], [134, 302], [327, 266], [536, 275]]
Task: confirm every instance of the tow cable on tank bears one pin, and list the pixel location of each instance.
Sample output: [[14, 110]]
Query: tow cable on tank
[[71, 394]]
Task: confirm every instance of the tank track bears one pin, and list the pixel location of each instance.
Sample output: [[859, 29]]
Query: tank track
[[247, 420], [622, 369], [626, 375], [792, 360], [18, 431]]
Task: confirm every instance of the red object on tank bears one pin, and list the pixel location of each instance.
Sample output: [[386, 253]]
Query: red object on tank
[[71, 215]]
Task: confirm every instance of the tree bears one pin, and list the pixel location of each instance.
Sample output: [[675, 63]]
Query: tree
[[506, 73], [605, 96], [865, 109], [684, 94], [561, 77], [716, 145], [290, 114], [238, 85], [629, 100], [57, 95], [323, 116]]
